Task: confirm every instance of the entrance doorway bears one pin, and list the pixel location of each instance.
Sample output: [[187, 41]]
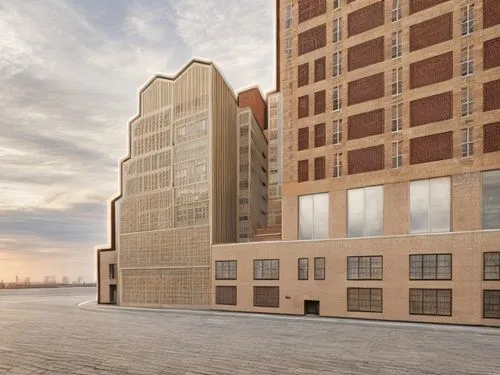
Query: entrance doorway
[[311, 307], [112, 294]]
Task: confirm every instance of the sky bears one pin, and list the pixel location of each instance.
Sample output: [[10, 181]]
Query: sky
[[70, 71]]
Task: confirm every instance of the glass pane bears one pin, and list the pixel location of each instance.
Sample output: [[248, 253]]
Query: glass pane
[[430, 265], [416, 267], [444, 266], [376, 268], [355, 216], [374, 211], [320, 220], [491, 200], [306, 217], [419, 206], [352, 268], [440, 190], [364, 268]]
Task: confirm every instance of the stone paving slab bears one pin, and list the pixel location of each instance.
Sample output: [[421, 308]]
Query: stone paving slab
[[49, 332]]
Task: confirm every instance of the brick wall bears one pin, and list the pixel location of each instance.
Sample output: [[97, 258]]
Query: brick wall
[[491, 95], [311, 8], [319, 69], [431, 109], [366, 18], [303, 106], [303, 75], [431, 148], [491, 137], [491, 53], [366, 159], [312, 39], [491, 13], [365, 124], [319, 102], [253, 99], [432, 70], [433, 31], [364, 54], [364, 89], [418, 5]]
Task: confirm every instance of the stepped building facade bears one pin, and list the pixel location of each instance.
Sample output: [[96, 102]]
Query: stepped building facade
[[382, 146]]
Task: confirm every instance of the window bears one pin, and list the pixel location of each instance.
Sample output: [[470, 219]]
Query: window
[[430, 302], [396, 44], [364, 299], [397, 157], [430, 205], [303, 171], [467, 61], [313, 216], [319, 102], [336, 4], [266, 269], [365, 216], [337, 165], [303, 106], [319, 168], [492, 266], [364, 268], [225, 270], [288, 48], [319, 135], [397, 117], [337, 64], [467, 101], [319, 268], [303, 139], [430, 267], [467, 142], [112, 271], [337, 30], [319, 69], [266, 296], [288, 16], [337, 131], [337, 104], [491, 304], [225, 295], [303, 75], [397, 81], [396, 10], [467, 19], [303, 269], [491, 200]]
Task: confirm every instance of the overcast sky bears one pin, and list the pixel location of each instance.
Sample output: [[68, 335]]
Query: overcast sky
[[69, 75]]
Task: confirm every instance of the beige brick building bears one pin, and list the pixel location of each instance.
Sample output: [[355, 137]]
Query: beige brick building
[[384, 166]]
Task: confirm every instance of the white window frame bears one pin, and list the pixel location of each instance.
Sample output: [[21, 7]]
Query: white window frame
[[467, 145], [337, 131], [288, 16], [397, 49], [337, 30], [336, 4], [467, 24], [467, 102], [337, 64], [467, 61], [319, 208], [397, 156], [367, 202], [397, 81], [288, 48], [337, 165], [336, 98], [397, 117], [396, 10]]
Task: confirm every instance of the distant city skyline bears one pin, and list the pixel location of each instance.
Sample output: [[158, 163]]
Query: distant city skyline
[[68, 93]]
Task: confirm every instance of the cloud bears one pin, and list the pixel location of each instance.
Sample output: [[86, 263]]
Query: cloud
[[70, 72]]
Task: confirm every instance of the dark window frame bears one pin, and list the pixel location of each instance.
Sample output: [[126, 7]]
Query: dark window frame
[[220, 287], [371, 268], [266, 260], [299, 274], [436, 301], [112, 271], [371, 301], [484, 265], [316, 268], [261, 288], [319, 168], [223, 262], [423, 267], [484, 303]]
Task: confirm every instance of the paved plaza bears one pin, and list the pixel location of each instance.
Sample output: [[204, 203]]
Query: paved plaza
[[48, 332]]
